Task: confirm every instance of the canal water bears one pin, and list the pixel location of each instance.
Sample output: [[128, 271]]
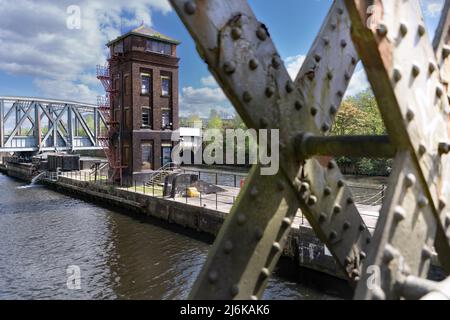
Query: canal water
[[42, 233]]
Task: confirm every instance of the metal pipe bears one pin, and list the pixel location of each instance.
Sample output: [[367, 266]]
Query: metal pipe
[[351, 146]]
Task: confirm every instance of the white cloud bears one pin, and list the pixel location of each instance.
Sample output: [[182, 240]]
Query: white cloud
[[209, 81], [359, 82], [432, 8], [293, 64], [35, 41], [202, 100]]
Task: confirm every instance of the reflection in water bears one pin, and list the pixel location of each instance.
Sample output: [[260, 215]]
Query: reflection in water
[[43, 232]]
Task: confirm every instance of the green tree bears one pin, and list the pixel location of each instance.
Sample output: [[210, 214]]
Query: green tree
[[214, 120]]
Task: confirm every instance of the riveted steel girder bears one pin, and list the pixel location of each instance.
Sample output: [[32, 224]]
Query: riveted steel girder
[[241, 55], [414, 107]]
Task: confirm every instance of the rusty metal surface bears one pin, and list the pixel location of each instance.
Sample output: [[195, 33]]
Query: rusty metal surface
[[242, 57], [415, 109]]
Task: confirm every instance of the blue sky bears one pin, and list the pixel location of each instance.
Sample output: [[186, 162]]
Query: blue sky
[[39, 56]]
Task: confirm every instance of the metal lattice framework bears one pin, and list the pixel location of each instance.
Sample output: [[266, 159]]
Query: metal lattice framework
[[409, 79], [34, 125]]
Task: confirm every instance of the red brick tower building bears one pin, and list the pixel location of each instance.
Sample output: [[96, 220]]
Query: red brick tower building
[[144, 78]]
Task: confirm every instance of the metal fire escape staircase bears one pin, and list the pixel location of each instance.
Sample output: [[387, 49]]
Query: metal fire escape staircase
[[112, 124]]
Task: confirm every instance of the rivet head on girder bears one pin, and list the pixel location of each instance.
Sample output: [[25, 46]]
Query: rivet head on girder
[[343, 43], [443, 148], [362, 227], [190, 7], [322, 218], [442, 204], [423, 201], [447, 221], [415, 71], [270, 91], [241, 219], [341, 183], [403, 29], [399, 214], [446, 51], [236, 33], [312, 201], [265, 272], [259, 233], [289, 87], [347, 225], [276, 246], [439, 91], [431, 67], [427, 253], [332, 165], [253, 64], [287, 222], [276, 63], [421, 30], [340, 94], [229, 67], [304, 187], [317, 57], [325, 128], [333, 110], [422, 150], [397, 75], [213, 276], [247, 96], [298, 105], [410, 115], [314, 111], [333, 235], [337, 209], [362, 255], [410, 180], [389, 253], [340, 11], [228, 247], [326, 41], [354, 61], [350, 201], [327, 191], [261, 33], [347, 76], [333, 26], [329, 75], [234, 290], [382, 30]]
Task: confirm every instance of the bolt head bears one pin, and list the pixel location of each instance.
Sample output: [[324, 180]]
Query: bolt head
[[190, 7], [236, 33], [415, 71], [229, 67], [403, 29], [446, 51], [247, 96], [410, 180], [382, 30], [261, 33], [253, 64], [421, 30]]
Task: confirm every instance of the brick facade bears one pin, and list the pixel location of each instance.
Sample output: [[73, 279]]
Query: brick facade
[[133, 61]]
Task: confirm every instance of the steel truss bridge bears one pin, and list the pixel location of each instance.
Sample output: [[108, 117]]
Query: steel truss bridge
[[409, 75], [34, 125]]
